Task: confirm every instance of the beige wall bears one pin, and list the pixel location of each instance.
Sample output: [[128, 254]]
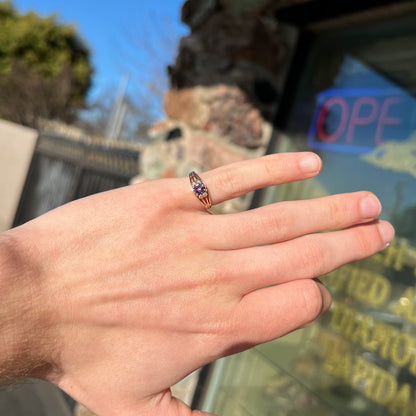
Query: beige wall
[[17, 145]]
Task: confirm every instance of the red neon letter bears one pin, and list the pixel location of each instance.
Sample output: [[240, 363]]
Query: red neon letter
[[356, 120], [385, 119], [320, 124]]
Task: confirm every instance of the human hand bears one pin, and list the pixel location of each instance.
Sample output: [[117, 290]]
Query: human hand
[[137, 287]]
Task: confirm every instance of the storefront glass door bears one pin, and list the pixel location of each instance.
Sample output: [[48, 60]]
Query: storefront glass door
[[355, 105]]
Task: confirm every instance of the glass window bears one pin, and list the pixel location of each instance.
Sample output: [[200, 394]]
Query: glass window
[[355, 106]]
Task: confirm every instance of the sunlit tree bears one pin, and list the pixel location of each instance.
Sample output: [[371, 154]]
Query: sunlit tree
[[45, 69]]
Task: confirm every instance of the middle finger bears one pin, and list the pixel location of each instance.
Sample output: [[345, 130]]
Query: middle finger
[[286, 220]]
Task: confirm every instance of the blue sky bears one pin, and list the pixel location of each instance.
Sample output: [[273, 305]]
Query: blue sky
[[119, 33]]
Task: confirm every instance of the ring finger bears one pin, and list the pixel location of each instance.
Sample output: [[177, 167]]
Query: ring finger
[[305, 257]]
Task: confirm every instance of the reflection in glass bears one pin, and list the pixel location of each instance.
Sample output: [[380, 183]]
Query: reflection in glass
[[355, 106]]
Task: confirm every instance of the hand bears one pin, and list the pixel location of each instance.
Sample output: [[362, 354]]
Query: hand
[[140, 286]]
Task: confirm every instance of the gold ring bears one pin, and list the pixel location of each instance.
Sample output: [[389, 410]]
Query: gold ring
[[200, 190]]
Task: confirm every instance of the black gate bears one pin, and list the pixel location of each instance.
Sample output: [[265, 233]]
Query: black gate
[[67, 168]]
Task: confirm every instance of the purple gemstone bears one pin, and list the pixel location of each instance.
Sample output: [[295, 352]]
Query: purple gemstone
[[199, 189]]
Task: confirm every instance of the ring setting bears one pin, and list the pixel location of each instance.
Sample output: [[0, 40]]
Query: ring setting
[[200, 190]]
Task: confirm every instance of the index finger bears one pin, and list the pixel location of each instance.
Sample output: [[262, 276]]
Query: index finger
[[237, 179]]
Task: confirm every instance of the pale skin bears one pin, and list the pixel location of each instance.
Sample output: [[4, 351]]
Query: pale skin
[[116, 297]]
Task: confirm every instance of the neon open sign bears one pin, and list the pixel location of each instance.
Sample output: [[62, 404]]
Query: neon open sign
[[357, 120]]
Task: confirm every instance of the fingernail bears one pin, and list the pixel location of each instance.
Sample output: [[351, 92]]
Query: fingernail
[[310, 163], [370, 207], [386, 231]]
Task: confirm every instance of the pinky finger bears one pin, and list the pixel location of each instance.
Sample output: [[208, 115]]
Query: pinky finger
[[272, 312]]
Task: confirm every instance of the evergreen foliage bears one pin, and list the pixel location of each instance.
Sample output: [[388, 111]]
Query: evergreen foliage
[[45, 69]]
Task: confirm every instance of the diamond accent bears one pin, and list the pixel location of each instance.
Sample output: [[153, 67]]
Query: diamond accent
[[199, 189]]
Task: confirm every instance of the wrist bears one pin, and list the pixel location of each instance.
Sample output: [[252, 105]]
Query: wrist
[[23, 328]]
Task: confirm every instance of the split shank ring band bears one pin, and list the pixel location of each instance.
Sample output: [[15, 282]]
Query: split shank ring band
[[200, 190]]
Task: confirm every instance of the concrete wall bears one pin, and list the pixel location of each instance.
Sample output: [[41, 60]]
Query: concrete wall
[[17, 144]]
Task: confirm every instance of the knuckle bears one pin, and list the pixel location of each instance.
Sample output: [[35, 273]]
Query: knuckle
[[275, 224], [231, 326], [365, 241], [314, 257], [281, 223], [269, 167], [224, 327], [336, 211], [214, 277], [229, 183]]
